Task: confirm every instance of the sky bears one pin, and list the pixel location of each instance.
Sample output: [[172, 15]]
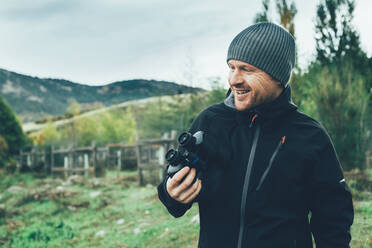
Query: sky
[[99, 42]]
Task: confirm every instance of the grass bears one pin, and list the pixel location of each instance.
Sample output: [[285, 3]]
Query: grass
[[110, 212], [106, 212]]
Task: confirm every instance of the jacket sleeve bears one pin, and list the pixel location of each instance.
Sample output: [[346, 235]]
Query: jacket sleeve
[[175, 208], [330, 200]]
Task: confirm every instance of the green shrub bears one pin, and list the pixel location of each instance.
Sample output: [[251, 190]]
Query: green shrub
[[10, 129], [42, 234], [3, 151]]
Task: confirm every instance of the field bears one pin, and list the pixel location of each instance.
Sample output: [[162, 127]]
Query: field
[[111, 212]]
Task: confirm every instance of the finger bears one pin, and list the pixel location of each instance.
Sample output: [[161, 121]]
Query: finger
[[189, 191], [174, 182], [177, 178], [194, 194], [186, 183], [169, 185]]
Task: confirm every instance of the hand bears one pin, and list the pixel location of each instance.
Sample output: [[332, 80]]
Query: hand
[[184, 191]]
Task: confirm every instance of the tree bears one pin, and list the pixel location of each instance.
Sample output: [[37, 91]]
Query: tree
[[117, 126], [112, 126], [264, 15], [48, 136], [163, 116], [87, 130], [337, 39], [335, 35], [342, 104], [74, 108], [72, 111], [287, 13], [218, 92], [303, 89], [10, 128]]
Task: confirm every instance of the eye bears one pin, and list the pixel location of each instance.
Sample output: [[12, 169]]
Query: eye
[[246, 69]]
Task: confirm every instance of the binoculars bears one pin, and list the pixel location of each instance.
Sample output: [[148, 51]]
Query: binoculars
[[186, 155]]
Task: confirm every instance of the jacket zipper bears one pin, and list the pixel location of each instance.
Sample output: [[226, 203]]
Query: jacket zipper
[[246, 184], [270, 163]]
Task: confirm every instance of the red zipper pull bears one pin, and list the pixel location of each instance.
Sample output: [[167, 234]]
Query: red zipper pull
[[254, 117]]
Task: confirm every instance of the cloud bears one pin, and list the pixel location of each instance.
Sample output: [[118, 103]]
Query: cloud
[[34, 11], [95, 42]]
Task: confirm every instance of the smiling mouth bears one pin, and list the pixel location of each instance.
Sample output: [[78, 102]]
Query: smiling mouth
[[241, 92]]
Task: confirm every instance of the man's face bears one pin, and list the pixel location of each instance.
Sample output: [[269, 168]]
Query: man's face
[[251, 86]]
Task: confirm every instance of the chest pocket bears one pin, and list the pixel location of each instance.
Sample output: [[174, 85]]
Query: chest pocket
[[285, 169], [272, 159]]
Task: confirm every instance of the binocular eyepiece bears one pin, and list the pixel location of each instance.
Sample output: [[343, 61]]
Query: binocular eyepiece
[[173, 157], [187, 141]]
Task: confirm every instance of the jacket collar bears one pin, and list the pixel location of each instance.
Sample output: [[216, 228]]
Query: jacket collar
[[272, 110]]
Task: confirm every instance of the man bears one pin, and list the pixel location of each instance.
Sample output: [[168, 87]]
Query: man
[[268, 165]]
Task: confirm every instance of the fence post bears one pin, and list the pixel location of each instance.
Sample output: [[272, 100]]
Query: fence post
[[368, 159], [70, 164], [46, 162], [65, 164], [52, 159], [99, 171], [119, 159], [161, 161], [28, 156], [107, 157], [32, 158], [139, 167], [86, 164], [94, 157], [173, 134], [122, 156], [19, 168]]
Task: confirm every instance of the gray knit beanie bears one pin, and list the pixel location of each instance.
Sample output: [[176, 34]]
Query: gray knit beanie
[[268, 47]]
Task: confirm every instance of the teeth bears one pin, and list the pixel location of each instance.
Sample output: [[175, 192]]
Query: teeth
[[240, 92]]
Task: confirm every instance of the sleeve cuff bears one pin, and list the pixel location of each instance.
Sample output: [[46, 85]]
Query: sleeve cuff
[[174, 207]]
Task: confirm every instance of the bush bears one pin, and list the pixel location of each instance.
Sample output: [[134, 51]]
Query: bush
[[360, 184], [3, 151], [10, 129], [113, 126], [10, 165], [43, 235]]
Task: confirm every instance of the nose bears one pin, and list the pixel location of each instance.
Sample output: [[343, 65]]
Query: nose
[[235, 78]]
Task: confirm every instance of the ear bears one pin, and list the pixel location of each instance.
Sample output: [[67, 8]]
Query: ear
[[277, 82]]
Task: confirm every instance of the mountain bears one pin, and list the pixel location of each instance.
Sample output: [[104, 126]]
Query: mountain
[[32, 98]]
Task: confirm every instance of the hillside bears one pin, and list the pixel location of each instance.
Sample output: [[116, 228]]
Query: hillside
[[32, 98], [30, 127]]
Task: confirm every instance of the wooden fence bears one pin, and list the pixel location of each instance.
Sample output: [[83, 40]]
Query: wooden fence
[[151, 157], [147, 156]]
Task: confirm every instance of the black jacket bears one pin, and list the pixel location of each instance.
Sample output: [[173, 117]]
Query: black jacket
[[267, 169]]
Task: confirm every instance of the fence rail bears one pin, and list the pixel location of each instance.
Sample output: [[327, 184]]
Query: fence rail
[[146, 156]]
